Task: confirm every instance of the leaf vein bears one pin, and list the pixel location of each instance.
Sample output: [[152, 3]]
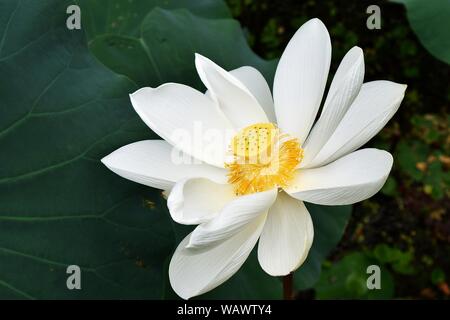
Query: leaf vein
[[8, 24]]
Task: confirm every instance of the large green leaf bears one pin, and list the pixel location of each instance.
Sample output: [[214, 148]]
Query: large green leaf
[[165, 48], [60, 112], [124, 17], [430, 20]]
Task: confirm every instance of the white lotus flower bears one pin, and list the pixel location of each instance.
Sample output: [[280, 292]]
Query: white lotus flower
[[235, 204]]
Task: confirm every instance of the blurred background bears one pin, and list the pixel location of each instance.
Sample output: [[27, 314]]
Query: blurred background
[[406, 226]]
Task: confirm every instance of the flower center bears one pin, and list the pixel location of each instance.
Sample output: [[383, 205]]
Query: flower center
[[262, 159]]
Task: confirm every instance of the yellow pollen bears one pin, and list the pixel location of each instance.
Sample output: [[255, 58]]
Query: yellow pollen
[[262, 159]]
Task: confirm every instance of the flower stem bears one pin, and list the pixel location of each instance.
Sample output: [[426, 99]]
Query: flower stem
[[288, 287]]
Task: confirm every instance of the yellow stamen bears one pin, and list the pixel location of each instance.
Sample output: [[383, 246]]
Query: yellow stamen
[[263, 159]]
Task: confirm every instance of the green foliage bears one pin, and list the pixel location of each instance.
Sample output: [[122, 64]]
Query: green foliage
[[347, 279], [399, 260], [430, 21], [417, 159], [438, 276], [409, 154], [165, 48], [270, 37], [390, 187], [60, 112], [118, 17]]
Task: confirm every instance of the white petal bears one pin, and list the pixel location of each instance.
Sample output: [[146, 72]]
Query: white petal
[[236, 101], [193, 272], [286, 237], [197, 200], [343, 90], [301, 77], [309, 238], [234, 216], [150, 163], [352, 178], [374, 106], [258, 87], [185, 118]]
